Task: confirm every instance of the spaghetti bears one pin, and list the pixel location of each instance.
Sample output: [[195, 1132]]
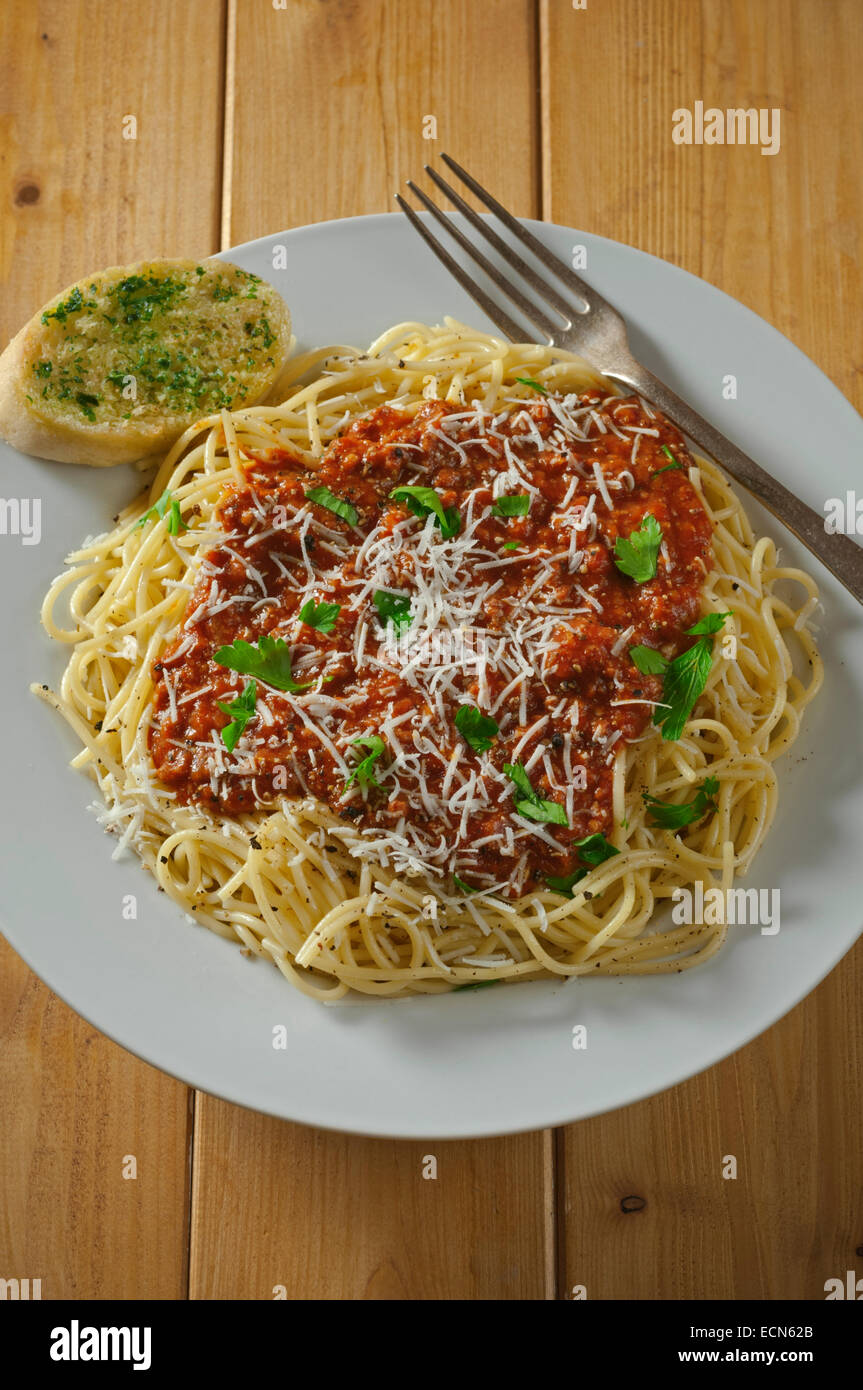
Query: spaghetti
[[348, 825]]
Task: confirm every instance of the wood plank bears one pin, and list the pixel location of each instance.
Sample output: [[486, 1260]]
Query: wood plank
[[787, 1109], [781, 233], [76, 193], [342, 128], [285, 1211], [348, 1217]]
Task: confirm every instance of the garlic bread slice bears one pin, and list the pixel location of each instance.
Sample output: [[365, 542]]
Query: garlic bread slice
[[116, 367]]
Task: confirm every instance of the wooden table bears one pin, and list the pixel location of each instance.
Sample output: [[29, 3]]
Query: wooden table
[[253, 115]]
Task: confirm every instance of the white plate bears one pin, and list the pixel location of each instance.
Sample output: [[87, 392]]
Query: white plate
[[467, 1063]]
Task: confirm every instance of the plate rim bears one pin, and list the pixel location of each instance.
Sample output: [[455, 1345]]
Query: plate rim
[[562, 1113]]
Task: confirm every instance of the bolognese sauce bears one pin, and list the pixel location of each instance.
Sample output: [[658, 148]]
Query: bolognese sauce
[[458, 597]]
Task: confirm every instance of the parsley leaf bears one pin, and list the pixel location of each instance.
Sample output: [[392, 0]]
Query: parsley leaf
[[648, 660], [594, 850], [465, 887], [363, 773], [675, 463], [169, 504], [476, 728], [269, 659], [685, 678], [477, 984], [68, 306], [242, 709], [529, 803], [511, 545], [669, 815], [565, 885], [711, 623], [393, 608], [515, 504], [321, 616], [424, 501], [534, 385], [324, 498], [637, 556]]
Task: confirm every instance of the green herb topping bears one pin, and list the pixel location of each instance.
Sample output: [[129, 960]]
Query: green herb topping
[[424, 501], [669, 815], [241, 710], [321, 616], [269, 659], [324, 498], [529, 803], [476, 728], [638, 555]]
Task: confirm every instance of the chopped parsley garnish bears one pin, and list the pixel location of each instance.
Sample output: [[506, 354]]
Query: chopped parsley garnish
[[86, 401], [529, 803], [424, 501], [464, 887], [241, 710], [685, 679], [675, 463], [321, 616], [393, 608], [710, 624], [68, 306], [668, 815], [269, 660], [565, 885], [648, 660], [477, 984], [169, 504], [593, 850], [534, 385], [637, 555], [363, 772], [476, 728], [43, 368], [324, 498], [517, 504], [139, 296], [686, 676], [511, 545]]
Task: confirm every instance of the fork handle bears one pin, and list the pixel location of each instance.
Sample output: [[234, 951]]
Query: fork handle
[[842, 555]]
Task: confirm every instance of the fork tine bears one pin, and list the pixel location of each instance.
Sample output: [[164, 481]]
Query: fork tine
[[558, 267], [530, 310], [494, 311], [536, 281]]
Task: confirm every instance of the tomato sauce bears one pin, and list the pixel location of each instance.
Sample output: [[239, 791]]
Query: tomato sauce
[[279, 549]]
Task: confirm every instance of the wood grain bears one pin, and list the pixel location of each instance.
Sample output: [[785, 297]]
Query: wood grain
[[75, 195], [562, 110], [342, 128], [281, 1211], [322, 1215], [783, 234]]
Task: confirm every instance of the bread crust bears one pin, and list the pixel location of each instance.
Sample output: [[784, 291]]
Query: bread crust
[[101, 444]]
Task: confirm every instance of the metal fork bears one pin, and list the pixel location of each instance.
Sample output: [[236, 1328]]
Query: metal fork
[[598, 333]]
